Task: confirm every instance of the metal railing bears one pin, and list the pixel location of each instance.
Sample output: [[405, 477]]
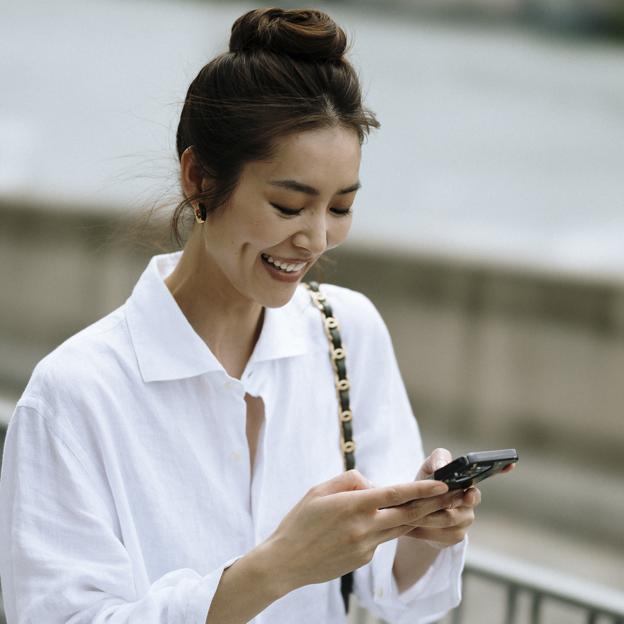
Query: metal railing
[[546, 596], [503, 590]]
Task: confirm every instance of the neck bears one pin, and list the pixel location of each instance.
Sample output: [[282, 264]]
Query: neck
[[226, 321]]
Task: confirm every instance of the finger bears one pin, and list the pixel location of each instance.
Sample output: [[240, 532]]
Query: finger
[[447, 537], [472, 497], [344, 482], [454, 499], [385, 535], [406, 493], [438, 458], [441, 519], [461, 517], [399, 494], [413, 512], [508, 468]]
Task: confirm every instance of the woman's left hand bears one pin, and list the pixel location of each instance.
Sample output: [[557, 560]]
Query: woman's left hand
[[447, 526]]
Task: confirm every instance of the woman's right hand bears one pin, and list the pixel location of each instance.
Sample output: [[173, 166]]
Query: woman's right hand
[[336, 527]]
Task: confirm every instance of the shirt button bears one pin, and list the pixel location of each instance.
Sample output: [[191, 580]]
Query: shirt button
[[235, 455], [379, 592]]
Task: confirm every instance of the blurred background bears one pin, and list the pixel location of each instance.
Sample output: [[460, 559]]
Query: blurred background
[[489, 232]]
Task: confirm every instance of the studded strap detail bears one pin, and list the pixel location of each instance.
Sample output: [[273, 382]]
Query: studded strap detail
[[338, 357]]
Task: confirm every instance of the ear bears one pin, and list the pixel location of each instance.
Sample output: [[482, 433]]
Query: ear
[[191, 174]]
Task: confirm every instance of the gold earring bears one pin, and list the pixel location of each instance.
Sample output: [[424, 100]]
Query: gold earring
[[200, 213]]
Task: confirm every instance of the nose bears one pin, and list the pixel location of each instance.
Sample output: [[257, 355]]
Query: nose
[[313, 234]]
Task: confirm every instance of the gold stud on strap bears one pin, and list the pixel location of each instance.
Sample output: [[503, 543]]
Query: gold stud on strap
[[342, 385], [348, 447], [346, 415], [338, 354], [331, 322]]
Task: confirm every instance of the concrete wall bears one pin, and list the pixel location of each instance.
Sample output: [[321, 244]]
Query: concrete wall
[[520, 356]]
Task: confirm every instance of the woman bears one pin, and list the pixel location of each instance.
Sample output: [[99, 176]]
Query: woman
[[178, 461]]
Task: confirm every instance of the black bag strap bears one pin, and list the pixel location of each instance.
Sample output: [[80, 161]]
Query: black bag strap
[[339, 363]]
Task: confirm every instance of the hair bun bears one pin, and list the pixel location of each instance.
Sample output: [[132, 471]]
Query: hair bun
[[305, 33]]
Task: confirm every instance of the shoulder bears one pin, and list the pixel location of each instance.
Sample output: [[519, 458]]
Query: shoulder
[[371, 362], [93, 357], [357, 316], [353, 307]]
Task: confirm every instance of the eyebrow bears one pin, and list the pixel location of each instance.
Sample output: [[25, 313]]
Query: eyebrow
[[293, 185]]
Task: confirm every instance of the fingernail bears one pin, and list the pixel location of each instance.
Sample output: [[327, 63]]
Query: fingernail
[[440, 488]]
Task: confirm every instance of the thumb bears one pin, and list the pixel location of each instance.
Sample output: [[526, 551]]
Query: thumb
[[438, 458]]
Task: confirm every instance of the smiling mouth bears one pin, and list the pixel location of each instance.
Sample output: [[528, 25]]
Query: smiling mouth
[[280, 265]]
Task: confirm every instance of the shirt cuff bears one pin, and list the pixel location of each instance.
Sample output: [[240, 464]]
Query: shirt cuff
[[201, 598], [437, 578], [435, 593]]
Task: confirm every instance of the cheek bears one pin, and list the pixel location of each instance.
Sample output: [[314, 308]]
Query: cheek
[[264, 234], [272, 232], [338, 231]]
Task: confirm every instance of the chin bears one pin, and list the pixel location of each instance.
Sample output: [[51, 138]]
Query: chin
[[278, 297]]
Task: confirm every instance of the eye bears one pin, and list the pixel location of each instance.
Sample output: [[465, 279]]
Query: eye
[[291, 212], [342, 212]]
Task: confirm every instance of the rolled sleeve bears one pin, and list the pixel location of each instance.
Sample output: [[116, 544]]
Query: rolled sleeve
[[433, 595], [200, 597], [441, 583]]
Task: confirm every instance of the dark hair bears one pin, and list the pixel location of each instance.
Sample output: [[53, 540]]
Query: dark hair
[[284, 72]]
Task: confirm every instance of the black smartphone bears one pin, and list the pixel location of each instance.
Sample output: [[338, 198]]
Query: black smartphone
[[471, 468]]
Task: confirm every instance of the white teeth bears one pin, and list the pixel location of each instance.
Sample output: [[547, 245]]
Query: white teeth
[[284, 266]]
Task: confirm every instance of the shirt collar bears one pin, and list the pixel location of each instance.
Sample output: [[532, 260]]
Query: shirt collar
[[167, 347]]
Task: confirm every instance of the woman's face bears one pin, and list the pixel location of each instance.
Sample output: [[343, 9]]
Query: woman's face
[[284, 214]]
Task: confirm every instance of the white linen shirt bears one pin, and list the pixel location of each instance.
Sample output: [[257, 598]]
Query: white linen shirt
[[126, 484]]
